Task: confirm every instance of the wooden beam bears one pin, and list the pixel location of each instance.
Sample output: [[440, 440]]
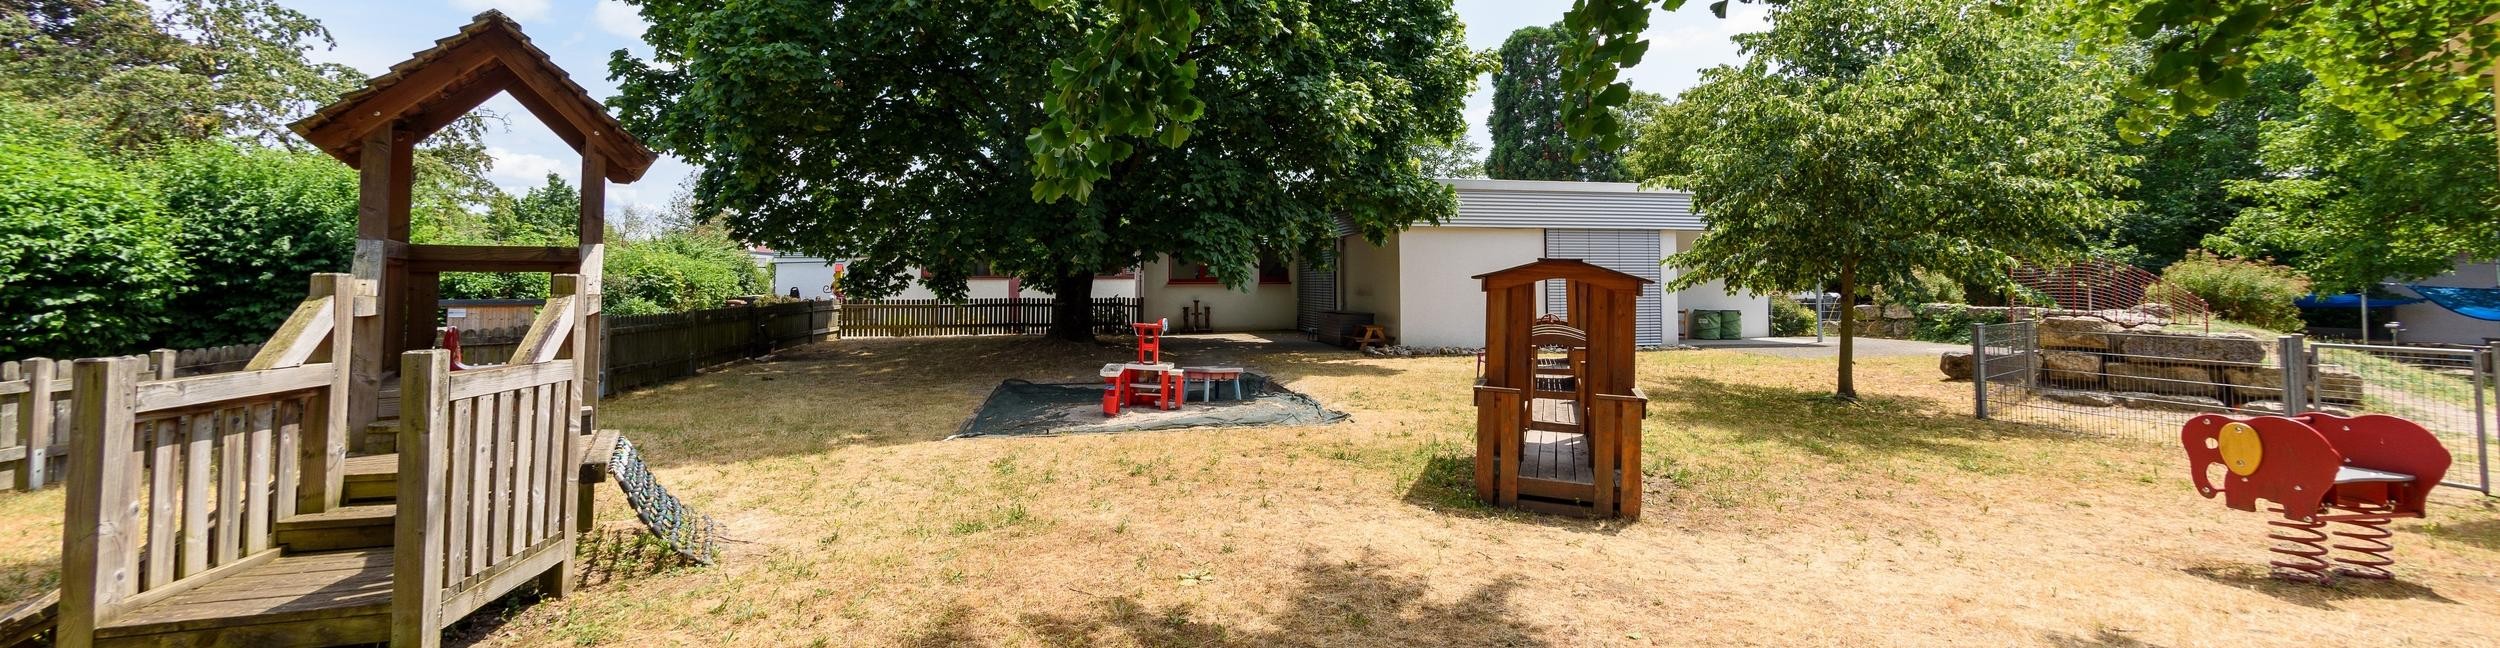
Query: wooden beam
[[492, 258], [391, 104], [210, 389], [303, 332], [98, 519], [418, 572], [455, 102], [322, 454]]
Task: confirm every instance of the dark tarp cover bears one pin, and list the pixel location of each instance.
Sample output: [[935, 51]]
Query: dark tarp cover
[[1022, 408]]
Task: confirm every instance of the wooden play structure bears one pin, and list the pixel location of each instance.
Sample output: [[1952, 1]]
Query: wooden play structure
[[2318, 469], [226, 510], [1558, 418]]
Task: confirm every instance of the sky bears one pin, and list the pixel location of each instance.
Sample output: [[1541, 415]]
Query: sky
[[579, 35]]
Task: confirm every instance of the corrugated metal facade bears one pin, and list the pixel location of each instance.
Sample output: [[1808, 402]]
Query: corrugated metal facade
[[1585, 205], [1315, 293], [1632, 252]]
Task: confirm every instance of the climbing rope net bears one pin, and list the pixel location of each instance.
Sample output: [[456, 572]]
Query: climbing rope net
[[693, 535]]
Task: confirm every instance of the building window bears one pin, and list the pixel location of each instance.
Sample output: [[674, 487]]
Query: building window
[[1271, 271]]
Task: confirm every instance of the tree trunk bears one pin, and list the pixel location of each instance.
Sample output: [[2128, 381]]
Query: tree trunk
[[1848, 390], [1072, 307]]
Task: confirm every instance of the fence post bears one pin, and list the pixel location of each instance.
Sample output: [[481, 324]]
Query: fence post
[[417, 534], [1979, 370], [2295, 361], [34, 424], [97, 570], [2489, 366]]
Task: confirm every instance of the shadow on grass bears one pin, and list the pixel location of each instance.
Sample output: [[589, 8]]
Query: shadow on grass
[[882, 392], [2480, 533], [1444, 482], [2100, 639], [611, 555], [2255, 578], [1824, 426], [1334, 603]]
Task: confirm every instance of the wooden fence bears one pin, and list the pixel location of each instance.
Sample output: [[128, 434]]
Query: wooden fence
[[643, 350], [916, 317], [35, 416]]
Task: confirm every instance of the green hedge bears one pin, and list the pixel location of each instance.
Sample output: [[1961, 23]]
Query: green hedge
[[87, 258], [2249, 292], [256, 224]]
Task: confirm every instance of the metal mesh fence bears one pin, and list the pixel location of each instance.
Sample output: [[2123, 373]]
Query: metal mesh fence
[[2143, 387]]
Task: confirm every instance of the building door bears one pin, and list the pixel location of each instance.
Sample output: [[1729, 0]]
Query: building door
[[1632, 252], [1315, 292]]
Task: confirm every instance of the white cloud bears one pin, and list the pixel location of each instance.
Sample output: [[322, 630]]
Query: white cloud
[[617, 18], [517, 171], [517, 9]]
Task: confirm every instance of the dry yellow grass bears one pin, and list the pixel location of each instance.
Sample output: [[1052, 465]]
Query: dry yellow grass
[[1774, 518]]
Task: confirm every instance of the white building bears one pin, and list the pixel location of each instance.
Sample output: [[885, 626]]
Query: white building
[[1417, 285], [813, 277]]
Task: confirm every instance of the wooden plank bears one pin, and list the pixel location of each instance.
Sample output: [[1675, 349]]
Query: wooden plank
[[481, 478], [417, 587], [153, 596], [20, 625], [1631, 410], [211, 389], [97, 518], [34, 423], [164, 466], [283, 588], [323, 448], [493, 258], [480, 382], [460, 461], [200, 436], [289, 477], [259, 474], [546, 336], [303, 332], [526, 491], [230, 465], [507, 420], [507, 575]]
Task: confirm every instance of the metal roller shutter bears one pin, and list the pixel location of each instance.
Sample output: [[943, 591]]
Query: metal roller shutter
[[1632, 252], [1315, 292]]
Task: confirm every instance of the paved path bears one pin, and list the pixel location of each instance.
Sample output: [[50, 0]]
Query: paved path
[[1805, 347]]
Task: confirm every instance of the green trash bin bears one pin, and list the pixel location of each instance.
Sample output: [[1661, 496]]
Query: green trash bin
[[1731, 325], [1706, 325]]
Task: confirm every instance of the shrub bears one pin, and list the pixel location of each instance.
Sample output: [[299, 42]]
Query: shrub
[[87, 261], [2245, 291], [1790, 318], [256, 224], [679, 271], [1951, 324]]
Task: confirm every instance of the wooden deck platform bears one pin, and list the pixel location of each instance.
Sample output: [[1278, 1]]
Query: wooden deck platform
[[372, 478], [315, 599], [1554, 448]]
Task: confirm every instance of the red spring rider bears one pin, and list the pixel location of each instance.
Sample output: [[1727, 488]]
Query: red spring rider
[[2319, 469]]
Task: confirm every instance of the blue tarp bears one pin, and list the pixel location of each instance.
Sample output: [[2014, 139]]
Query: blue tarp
[[2351, 300], [2477, 303]]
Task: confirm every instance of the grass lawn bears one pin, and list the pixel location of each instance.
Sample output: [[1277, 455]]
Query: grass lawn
[[1773, 517]]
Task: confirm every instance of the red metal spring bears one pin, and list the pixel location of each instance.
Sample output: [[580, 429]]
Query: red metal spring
[[2304, 548], [2368, 539]]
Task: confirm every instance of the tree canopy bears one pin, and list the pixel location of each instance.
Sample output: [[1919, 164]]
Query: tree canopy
[[2183, 182], [2393, 64], [1526, 124], [1802, 164], [2350, 208], [920, 134], [150, 72]]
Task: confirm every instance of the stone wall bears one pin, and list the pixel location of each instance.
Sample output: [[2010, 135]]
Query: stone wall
[[1900, 321], [2140, 365]]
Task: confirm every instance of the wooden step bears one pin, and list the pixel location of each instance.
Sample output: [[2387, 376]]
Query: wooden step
[[372, 479], [315, 599], [352, 527]]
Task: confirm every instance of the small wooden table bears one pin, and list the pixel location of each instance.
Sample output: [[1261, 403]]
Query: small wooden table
[[1373, 334]]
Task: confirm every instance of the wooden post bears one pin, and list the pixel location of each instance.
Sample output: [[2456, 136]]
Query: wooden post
[[417, 577], [379, 180], [558, 581], [322, 453], [34, 424], [95, 536], [593, 225], [418, 328], [161, 362]]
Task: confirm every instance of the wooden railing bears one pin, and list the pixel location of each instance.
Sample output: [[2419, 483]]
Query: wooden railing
[[486, 472], [34, 417], [177, 481]]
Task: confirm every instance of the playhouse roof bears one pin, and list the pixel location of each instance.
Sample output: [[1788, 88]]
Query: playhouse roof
[[1565, 269], [438, 85]]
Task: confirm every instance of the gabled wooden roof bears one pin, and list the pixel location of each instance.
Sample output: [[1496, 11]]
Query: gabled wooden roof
[[440, 84], [1566, 269]]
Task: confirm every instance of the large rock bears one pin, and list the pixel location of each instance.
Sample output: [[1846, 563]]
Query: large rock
[[2255, 383], [2162, 378], [2078, 397], [2171, 402], [2210, 348], [2075, 333], [1898, 311], [1867, 312], [2071, 368], [2006, 367], [2335, 384]]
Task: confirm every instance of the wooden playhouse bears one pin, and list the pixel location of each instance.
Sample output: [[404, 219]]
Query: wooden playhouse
[[1558, 418]]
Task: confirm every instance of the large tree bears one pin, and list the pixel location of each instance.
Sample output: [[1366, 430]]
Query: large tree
[[1863, 142], [147, 72], [950, 135], [1526, 124], [2350, 208], [2183, 185]]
